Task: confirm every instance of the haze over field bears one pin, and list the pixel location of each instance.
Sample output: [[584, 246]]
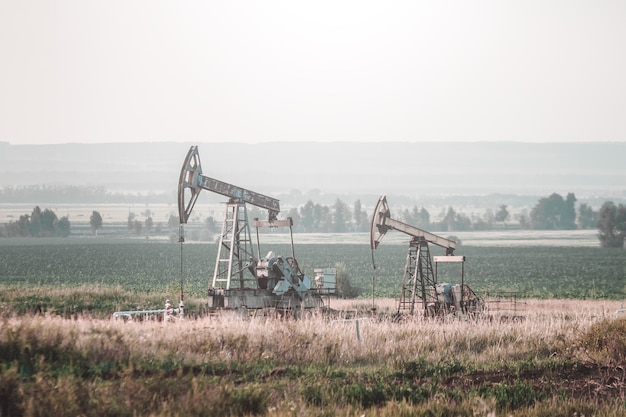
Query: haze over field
[[412, 98], [410, 169]]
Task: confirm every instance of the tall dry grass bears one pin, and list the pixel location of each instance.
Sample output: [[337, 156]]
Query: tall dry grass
[[548, 326], [84, 360]]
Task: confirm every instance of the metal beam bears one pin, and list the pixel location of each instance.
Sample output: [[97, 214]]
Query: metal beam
[[448, 259], [417, 232], [288, 222], [239, 193], [192, 181]]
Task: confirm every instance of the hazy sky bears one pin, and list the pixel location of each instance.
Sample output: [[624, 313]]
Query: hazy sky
[[255, 71]]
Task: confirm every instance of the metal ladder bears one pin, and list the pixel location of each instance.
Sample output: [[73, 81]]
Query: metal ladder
[[418, 282], [234, 249]]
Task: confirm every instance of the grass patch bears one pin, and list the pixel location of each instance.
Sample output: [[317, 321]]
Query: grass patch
[[227, 365], [605, 342]]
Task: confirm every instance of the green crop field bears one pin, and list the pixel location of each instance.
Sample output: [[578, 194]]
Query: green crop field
[[147, 268], [559, 357]]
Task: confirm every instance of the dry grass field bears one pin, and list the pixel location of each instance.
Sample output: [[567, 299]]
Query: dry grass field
[[61, 353], [557, 358]]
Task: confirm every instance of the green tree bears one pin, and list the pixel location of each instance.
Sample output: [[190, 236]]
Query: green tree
[[341, 216], [612, 225], [483, 222], [210, 227], [307, 216], [63, 227], [554, 213], [172, 228], [408, 216], [361, 222], [416, 217], [295, 217], [323, 218], [34, 222], [24, 225], [587, 218], [502, 214], [48, 221], [172, 223], [455, 221], [14, 229], [462, 222], [450, 219], [95, 221], [524, 219], [568, 218], [130, 225], [424, 218], [41, 223], [137, 227], [149, 225]]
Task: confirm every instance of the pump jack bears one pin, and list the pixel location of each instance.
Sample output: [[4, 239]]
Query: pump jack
[[241, 278], [419, 282]]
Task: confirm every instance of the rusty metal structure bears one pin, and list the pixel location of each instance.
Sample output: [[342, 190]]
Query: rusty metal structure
[[243, 279], [419, 282]]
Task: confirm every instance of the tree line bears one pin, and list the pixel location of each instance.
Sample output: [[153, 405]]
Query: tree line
[[40, 223], [554, 212]]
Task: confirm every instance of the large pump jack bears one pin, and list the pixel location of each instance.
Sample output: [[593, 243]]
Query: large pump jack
[[419, 282], [241, 278]]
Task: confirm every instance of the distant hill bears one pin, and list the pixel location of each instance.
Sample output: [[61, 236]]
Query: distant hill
[[409, 169]]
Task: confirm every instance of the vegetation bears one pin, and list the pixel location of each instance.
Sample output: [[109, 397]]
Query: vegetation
[[551, 213], [148, 267], [95, 221], [612, 225], [554, 213], [40, 223], [564, 359], [62, 354]]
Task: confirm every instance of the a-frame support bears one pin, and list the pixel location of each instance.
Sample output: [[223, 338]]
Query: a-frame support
[[234, 250], [419, 282]]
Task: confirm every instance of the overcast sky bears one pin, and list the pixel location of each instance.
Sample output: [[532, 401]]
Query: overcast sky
[[256, 71]]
